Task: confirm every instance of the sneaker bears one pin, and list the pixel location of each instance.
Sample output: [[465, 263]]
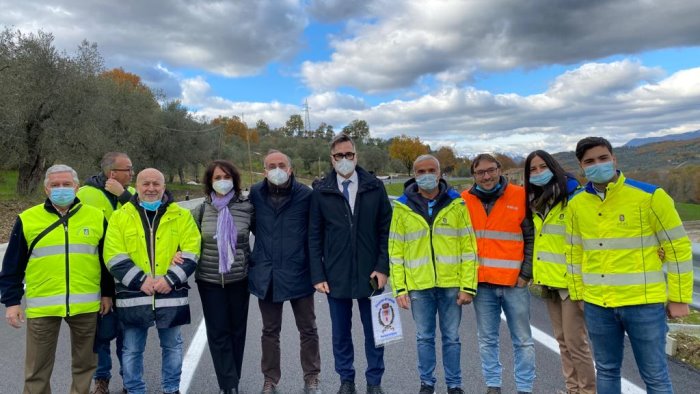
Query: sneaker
[[347, 388], [101, 386], [426, 389], [455, 390], [524, 392], [372, 389], [493, 390], [311, 385], [269, 387]]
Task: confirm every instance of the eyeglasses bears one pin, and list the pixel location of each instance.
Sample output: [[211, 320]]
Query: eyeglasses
[[346, 155], [129, 170], [491, 171]]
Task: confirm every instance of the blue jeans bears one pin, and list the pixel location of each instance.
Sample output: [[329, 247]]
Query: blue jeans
[[132, 358], [646, 328], [515, 302], [425, 304], [343, 351], [104, 356]]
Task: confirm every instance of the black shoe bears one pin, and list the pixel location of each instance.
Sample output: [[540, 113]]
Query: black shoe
[[426, 389], [524, 392], [228, 391], [493, 390], [455, 390], [347, 388], [372, 389]]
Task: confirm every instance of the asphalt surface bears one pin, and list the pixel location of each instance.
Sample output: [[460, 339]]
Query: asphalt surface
[[400, 377]]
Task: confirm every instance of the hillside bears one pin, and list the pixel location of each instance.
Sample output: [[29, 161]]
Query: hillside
[[654, 156], [672, 137]]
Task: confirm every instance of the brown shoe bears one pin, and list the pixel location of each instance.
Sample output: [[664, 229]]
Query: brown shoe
[[311, 385], [269, 387], [101, 386]]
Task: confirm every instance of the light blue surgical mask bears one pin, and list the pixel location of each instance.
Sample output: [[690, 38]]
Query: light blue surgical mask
[[150, 205], [427, 182], [542, 178], [494, 190], [601, 172], [62, 196]]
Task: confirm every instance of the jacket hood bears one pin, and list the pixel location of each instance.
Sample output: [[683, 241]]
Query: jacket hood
[[97, 181]]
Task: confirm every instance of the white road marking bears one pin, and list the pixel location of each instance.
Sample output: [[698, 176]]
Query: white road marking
[[192, 356]]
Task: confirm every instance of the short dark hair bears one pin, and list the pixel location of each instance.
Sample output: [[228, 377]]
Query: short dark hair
[[108, 160], [339, 139], [484, 156], [591, 142], [227, 167]]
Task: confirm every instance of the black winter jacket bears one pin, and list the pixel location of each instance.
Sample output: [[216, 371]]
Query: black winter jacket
[[344, 247], [281, 253]]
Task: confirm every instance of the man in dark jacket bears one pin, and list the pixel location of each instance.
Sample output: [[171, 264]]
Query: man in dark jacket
[[279, 268], [348, 236]]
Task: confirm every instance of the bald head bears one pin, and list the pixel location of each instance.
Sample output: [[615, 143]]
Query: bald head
[[150, 184]]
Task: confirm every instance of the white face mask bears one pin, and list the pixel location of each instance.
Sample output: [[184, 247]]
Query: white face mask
[[344, 167], [277, 176], [222, 186]]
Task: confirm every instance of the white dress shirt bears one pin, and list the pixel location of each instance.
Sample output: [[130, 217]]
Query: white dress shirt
[[352, 188]]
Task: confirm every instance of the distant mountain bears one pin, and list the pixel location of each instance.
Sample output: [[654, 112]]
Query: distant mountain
[[649, 157], [673, 137]]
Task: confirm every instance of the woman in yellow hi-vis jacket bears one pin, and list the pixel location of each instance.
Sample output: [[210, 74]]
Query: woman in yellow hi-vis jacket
[[548, 189]]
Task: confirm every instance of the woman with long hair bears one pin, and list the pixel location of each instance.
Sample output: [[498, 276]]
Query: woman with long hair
[[225, 219], [548, 188]]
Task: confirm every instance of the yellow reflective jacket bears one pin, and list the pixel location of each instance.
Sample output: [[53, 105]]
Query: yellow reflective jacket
[[423, 257], [92, 195], [614, 242], [63, 271]]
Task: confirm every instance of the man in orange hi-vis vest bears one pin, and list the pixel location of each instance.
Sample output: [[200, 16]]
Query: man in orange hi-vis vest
[[505, 239]]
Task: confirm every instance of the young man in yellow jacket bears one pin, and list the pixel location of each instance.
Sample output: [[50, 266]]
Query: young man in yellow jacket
[[432, 249], [614, 230]]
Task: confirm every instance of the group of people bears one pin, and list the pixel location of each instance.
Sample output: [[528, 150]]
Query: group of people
[[113, 261]]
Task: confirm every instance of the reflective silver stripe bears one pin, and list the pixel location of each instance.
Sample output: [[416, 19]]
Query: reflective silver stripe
[[130, 275], [171, 302], [575, 269], [451, 232], [498, 263], [188, 255], [412, 236], [469, 257], [448, 259], [181, 274], [397, 261], [681, 267], [61, 249], [550, 257], [672, 234], [80, 298], [395, 235], [500, 235], [131, 302], [36, 302], [575, 239], [620, 243], [117, 259], [636, 278], [417, 262], [556, 229]]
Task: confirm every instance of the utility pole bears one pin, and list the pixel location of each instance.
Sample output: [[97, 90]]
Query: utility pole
[[250, 161], [307, 119]]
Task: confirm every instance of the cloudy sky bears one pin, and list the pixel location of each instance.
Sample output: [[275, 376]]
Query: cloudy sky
[[476, 75]]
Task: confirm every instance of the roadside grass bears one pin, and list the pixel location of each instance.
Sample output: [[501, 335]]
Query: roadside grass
[[8, 182], [688, 346], [688, 211]]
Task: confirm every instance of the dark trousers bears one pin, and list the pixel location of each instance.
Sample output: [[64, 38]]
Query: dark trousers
[[343, 351], [305, 318], [226, 315]]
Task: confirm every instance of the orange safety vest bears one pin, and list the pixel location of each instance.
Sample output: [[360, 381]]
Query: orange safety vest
[[499, 237]]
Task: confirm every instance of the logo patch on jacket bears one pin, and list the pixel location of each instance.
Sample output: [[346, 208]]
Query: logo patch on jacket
[[444, 220], [513, 207]]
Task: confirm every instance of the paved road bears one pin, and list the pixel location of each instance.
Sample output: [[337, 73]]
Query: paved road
[[400, 376]]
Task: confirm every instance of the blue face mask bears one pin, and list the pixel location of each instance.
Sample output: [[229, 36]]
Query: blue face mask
[[427, 182], [600, 173], [494, 190], [62, 196], [151, 205], [542, 178]]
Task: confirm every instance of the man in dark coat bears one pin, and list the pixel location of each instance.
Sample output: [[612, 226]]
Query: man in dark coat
[[348, 237], [279, 268]]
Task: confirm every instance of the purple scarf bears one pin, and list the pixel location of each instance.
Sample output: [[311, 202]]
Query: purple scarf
[[226, 231]]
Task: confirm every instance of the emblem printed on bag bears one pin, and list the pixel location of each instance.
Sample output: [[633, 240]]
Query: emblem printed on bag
[[386, 316]]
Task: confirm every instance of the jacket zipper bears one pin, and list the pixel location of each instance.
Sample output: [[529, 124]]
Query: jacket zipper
[[65, 232], [151, 240]]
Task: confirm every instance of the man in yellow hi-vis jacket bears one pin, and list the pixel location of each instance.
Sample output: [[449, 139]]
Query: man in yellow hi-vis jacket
[[432, 249], [55, 249], [615, 228], [142, 238]]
